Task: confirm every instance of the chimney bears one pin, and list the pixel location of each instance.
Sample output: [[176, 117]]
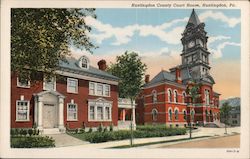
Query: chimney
[[147, 78], [178, 75], [102, 65]]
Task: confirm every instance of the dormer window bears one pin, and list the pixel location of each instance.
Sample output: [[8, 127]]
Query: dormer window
[[84, 62]]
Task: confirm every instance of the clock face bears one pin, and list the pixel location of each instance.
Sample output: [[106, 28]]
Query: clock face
[[191, 44]]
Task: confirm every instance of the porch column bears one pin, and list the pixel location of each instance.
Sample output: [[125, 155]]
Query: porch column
[[40, 113], [123, 114], [61, 114]]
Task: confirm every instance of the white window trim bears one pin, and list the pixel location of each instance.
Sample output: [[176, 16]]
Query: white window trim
[[154, 96], [80, 62], [73, 79], [175, 96], [44, 81], [153, 114], [68, 112], [18, 84], [103, 108], [169, 97], [28, 111], [103, 89]]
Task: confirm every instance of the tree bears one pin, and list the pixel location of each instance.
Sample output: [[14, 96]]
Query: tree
[[225, 113], [40, 38], [130, 69], [192, 92]]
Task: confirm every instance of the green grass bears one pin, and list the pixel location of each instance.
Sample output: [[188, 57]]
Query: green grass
[[157, 142]]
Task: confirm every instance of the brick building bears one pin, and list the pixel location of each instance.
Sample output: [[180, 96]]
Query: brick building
[[163, 99], [79, 95]]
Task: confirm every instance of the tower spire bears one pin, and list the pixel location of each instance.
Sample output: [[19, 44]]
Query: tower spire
[[193, 20]]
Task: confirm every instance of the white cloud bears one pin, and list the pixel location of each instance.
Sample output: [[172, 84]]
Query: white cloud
[[165, 32], [213, 39], [217, 53], [123, 35], [232, 22]]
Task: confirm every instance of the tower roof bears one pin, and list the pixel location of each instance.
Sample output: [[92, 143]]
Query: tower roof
[[193, 19]]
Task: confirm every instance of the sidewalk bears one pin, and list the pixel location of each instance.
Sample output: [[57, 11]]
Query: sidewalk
[[212, 132]]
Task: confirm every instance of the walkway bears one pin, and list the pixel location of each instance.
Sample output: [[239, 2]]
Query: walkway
[[64, 140], [212, 132], [218, 142]]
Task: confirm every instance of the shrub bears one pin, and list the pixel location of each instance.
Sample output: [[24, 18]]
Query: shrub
[[100, 127], [32, 142], [30, 132], [105, 129], [25, 132], [90, 130], [111, 127]]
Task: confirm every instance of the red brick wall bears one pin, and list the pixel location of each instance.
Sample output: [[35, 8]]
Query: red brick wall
[[81, 99]]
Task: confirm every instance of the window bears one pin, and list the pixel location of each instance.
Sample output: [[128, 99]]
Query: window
[[71, 112], [99, 89], [72, 85], [107, 113], [207, 100], [154, 114], [92, 112], [91, 88], [192, 115], [176, 115], [175, 96], [23, 83], [184, 115], [234, 115], [49, 84], [106, 90], [169, 95], [154, 95], [170, 114], [99, 113], [22, 110], [183, 97], [99, 110], [84, 62]]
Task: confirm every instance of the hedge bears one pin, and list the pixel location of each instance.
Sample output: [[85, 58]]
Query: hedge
[[97, 137], [32, 141]]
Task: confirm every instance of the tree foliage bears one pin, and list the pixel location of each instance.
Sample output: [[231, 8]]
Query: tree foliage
[[130, 69], [40, 38], [225, 111]]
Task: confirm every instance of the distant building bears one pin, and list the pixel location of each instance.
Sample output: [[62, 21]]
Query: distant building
[[234, 117], [162, 99]]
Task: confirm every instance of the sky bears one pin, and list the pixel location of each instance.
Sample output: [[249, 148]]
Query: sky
[[155, 35]]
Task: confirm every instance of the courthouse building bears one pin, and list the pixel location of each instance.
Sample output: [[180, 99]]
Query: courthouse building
[[162, 99]]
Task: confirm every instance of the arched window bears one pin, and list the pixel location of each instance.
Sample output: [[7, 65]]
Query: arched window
[[192, 115], [84, 62], [175, 96], [207, 97], [170, 114], [176, 114], [169, 95], [154, 95], [183, 97], [154, 114], [184, 115]]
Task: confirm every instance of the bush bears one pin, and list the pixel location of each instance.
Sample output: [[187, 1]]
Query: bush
[[90, 130], [32, 142], [111, 127], [100, 127], [30, 132], [105, 129]]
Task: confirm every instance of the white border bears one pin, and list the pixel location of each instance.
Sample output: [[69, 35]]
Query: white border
[[114, 153]]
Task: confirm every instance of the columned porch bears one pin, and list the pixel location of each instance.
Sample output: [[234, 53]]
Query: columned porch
[[126, 114], [49, 112]]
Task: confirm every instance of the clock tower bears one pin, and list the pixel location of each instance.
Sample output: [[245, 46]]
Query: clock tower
[[195, 56]]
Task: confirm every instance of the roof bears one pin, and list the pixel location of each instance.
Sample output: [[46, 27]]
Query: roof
[[217, 94], [49, 92], [72, 64], [162, 76], [194, 19]]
